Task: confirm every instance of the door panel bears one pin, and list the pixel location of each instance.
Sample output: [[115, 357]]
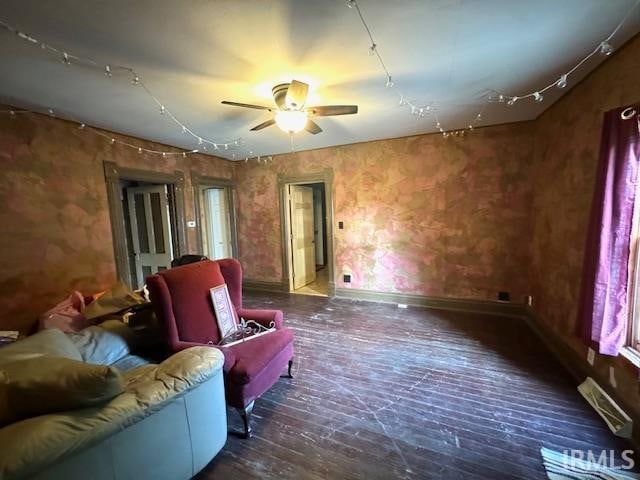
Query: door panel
[[302, 235], [150, 230], [217, 224]]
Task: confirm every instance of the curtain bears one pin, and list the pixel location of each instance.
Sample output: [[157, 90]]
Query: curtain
[[604, 311]]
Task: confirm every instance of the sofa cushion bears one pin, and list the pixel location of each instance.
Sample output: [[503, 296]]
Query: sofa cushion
[[46, 342], [104, 344], [253, 356], [46, 384]]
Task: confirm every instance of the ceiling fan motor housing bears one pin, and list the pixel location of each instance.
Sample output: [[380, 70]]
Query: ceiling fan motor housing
[[279, 94]]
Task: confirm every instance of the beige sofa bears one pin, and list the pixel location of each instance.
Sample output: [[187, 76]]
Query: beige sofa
[[168, 422]]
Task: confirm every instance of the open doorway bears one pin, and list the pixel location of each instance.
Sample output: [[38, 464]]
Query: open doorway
[[150, 228], [215, 213], [147, 220], [307, 237]]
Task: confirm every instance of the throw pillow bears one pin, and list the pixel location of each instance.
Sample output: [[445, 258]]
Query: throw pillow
[[48, 384]]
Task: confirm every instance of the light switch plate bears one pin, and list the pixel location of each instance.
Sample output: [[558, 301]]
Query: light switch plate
[[591, 356], [191, 224]]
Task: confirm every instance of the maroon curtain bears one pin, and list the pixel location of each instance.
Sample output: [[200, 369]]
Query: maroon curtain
[[603, 314]]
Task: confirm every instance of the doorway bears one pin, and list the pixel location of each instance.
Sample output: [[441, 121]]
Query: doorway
[[307, 234], [215, 214], [150, 228], [147, 220]]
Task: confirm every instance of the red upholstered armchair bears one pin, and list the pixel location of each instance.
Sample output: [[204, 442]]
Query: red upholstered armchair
[[182, 302]]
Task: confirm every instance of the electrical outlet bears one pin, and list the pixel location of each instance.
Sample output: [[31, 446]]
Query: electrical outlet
[[504, 296], [340, 225], [346, 278], [191, 224]]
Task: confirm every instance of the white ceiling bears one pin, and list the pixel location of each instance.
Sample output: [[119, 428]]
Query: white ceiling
[[193, 54]]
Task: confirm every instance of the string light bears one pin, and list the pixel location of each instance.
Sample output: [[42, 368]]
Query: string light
[[109, 69], [562, 81], [604, 48]]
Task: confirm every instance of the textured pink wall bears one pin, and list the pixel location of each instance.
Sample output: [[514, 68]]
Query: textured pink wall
[[56, 233], [423, 215], [567, 147]]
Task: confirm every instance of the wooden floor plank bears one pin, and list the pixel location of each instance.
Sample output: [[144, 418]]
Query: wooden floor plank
[[381, 392]]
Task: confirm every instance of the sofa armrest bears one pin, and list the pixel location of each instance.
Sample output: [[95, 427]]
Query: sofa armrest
[[229, 357], [188, 368], [263, 317]]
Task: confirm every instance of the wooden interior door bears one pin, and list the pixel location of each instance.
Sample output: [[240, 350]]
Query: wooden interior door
[[302, 235], [150, 230]]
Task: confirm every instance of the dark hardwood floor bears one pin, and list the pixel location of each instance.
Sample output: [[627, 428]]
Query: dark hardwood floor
[[381, 392]]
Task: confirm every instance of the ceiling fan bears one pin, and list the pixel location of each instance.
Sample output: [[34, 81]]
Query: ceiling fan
[[291, 115]]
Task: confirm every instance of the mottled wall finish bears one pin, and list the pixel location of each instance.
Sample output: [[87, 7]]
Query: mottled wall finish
[[567, 147], [423, 215], [56, 233]]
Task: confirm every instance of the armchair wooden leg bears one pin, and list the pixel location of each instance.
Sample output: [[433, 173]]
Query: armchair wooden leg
[[245, 414], [289, 374]]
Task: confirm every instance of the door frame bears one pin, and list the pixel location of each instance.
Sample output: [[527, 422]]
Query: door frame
[[175, 181], [325, 177], [202, 182]]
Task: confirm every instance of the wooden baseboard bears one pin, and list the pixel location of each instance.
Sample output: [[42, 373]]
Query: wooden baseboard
[[458, 304], [263, 285]]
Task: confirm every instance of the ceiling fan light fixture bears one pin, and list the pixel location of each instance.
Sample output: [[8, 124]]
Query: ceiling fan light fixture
[[291, 121]]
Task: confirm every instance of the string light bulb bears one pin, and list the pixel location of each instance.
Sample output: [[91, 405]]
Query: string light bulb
[[538, 97], [164, 154], [162, 109], [51, 112], [372, 49], [184, 129], [351, 3], [512, 101], [12, 114], [389, 83], [65, 58], [562, 81], [139, 150], [200, 141], [107, 71], [136, 81], [606, 49], [501, 98], [81, 126]]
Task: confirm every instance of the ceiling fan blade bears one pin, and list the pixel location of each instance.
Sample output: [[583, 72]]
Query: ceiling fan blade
[[312, 127], [330, 110], [266, 124], [296, 95], [246, 105]]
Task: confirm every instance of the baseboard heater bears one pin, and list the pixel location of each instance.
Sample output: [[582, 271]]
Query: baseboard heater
[[617, 420]]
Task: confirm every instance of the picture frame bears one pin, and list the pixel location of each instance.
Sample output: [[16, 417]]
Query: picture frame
[[226, 316]]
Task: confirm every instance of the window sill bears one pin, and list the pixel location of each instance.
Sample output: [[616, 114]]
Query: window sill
[[631, 355]]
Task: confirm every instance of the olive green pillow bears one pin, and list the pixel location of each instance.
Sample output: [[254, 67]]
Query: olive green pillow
[[48, 384]]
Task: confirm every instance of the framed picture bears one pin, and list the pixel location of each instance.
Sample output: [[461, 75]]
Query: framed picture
[[225, 314]]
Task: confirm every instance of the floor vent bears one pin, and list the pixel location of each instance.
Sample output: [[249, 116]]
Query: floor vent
[[619, 422]]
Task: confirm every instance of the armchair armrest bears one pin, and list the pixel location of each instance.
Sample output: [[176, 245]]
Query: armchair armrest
[[263, 317]]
